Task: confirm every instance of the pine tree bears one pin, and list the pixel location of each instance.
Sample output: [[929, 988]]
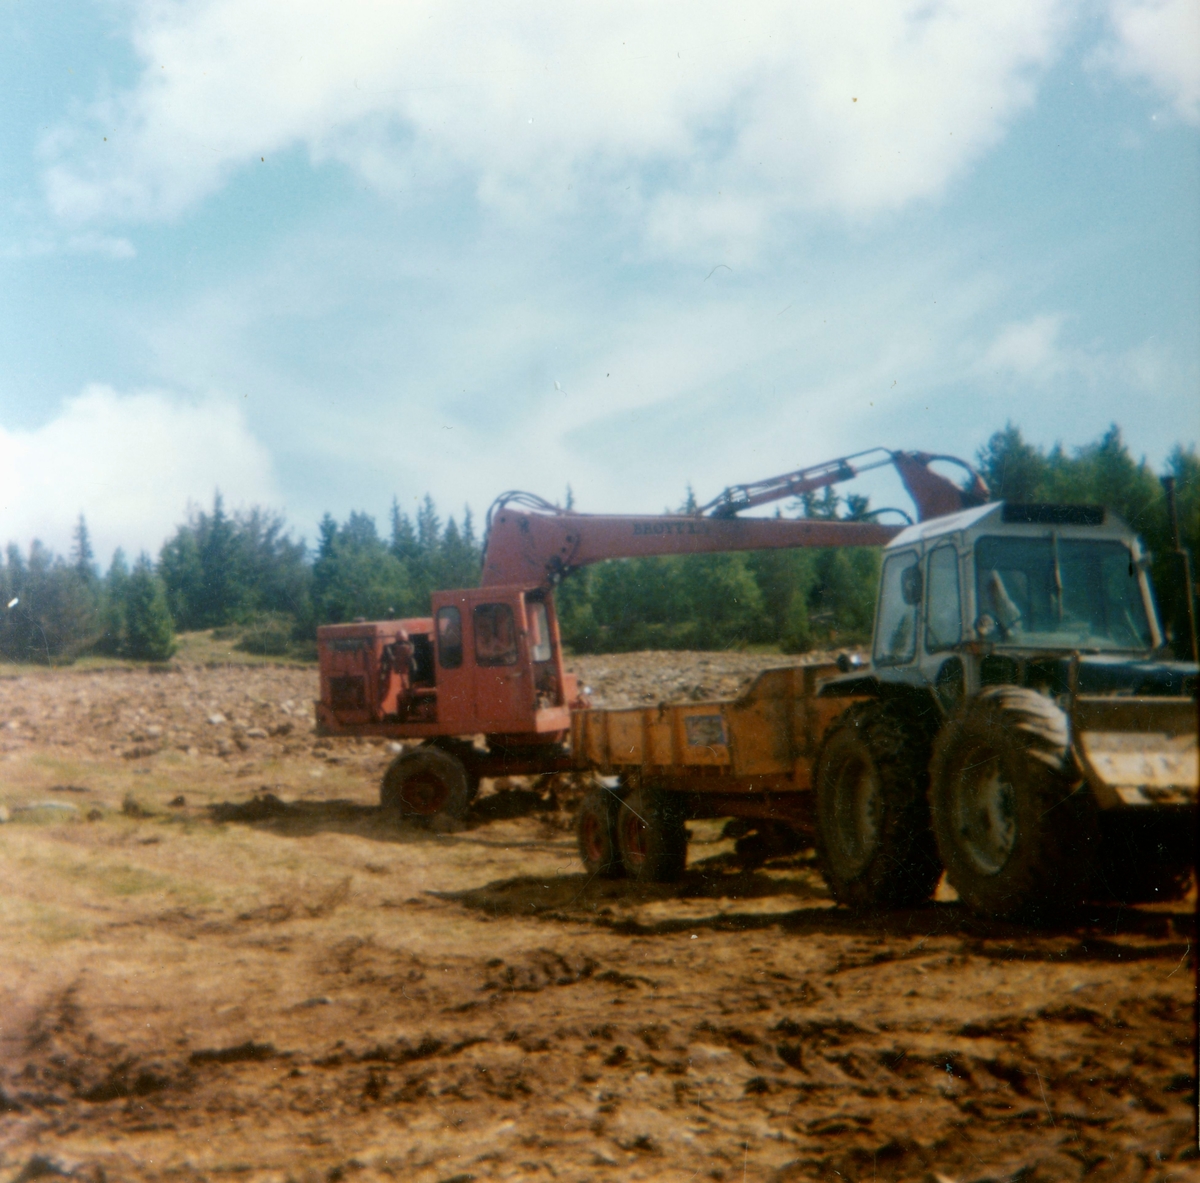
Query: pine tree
[[112, 609], [82, 558], [404, 538], [429, 529], [149, 635], [1013, 469]]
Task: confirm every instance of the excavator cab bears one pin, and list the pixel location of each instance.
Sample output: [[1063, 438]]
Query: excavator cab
[[488, 660]]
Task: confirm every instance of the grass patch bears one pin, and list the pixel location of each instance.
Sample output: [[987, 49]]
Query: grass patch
[[209, 647], [55, 927]]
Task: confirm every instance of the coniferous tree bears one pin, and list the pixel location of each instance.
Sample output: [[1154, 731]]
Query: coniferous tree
[[82, 558], [404, 538], [112, 606], [356, 574], [149, 635], [1013, 469]]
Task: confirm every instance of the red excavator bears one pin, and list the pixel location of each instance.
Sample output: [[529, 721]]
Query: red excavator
[[488, 661]]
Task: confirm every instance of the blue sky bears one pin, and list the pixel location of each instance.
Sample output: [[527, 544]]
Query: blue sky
[[318, 255]]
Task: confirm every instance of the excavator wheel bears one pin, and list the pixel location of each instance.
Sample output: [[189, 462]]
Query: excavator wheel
[[596, 831], [466, 754], [651, 836], [425, 783], [873, 838], [1015, 825]]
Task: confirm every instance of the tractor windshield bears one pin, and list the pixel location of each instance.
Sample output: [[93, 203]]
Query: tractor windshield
[[1060, 593]]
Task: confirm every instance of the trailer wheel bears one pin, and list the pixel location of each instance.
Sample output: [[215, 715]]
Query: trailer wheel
[[651, 836], [1016, 827], [425, 783], [873, 837], [596, 831]]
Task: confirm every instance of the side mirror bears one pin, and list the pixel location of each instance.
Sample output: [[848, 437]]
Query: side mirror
[[844, 663]]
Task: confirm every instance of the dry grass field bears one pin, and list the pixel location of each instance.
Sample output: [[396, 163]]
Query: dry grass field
[[218, 961]]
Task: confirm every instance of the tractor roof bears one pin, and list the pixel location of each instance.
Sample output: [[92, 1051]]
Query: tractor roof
[[1014, 518]]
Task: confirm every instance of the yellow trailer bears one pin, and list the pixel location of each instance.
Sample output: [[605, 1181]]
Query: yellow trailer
[[750, 758]]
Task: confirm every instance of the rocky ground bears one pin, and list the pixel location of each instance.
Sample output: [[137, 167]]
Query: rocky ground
[[218, 960]]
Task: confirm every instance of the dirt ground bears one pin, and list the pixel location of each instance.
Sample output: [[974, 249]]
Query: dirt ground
[[290, 986]]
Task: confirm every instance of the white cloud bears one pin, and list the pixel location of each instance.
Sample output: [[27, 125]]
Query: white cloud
[[1158, 41], [1029, 349], [698, 119], [130, 463], [1037, 357]]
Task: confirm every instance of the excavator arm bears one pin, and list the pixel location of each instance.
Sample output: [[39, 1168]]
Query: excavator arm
[[531, 542]]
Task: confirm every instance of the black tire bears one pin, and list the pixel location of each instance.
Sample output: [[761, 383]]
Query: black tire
[[425, 783], [874, 842], [1016, 825], [468, 756], [596, 832], [651, 836]]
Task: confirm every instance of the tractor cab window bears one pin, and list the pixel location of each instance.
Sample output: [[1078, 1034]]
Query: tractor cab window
[[495, 635], [899, 597], [539, 632], [449, 638], [943, 601], [1060, 593]]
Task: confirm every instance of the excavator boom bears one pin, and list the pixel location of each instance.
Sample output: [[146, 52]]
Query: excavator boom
[[534, 548], [533, 543]]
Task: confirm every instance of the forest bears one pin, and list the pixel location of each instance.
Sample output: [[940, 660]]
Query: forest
[[244, 574]]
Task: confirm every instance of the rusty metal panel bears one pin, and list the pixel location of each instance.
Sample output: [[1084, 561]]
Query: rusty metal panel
[[589, 737], [624, 736], [802, 773], [1171, 716], [659, 738], [761, 722], [1138, 751], [808, 728], [822, 715]]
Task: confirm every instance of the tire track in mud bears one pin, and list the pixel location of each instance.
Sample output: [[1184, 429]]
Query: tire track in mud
[[384, 1003], [634, 1058]]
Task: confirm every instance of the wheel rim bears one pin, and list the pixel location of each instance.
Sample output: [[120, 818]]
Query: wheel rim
[[424, 794], [984, 811], [591, 838], [633, 838], [856, 813]]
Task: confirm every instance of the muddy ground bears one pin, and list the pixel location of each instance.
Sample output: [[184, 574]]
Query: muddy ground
[[293, 987]]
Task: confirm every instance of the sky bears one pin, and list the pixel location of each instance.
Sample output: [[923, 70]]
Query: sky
[[319, 256]]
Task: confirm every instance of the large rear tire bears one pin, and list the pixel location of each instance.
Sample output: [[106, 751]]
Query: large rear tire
[[873, 837], [1016, 826], [651, 836], [425, 783], [596, 832]]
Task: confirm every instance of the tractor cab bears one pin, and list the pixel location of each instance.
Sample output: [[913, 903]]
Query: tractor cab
[[488, 660], [1020, 594]]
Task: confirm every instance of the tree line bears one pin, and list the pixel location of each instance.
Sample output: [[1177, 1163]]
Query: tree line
[[243, 573]]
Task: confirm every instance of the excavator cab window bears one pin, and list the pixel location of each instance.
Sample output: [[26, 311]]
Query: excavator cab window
[[495, 635], [449, 638], [539, 632], [422, 660]]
